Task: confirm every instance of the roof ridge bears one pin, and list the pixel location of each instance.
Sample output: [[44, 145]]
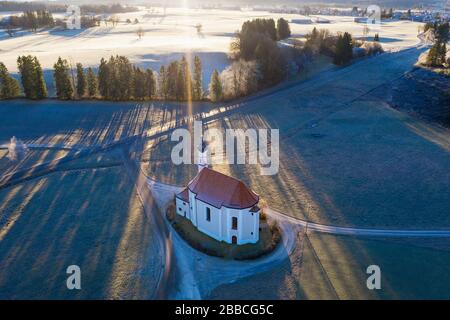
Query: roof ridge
[[219, 189]]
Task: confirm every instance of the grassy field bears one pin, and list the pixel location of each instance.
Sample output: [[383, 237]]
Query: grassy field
[[334, 267], [431, 101], [366, 165], [32, 157], [157, 163], [107, 159], [346, 157], [90, 218]]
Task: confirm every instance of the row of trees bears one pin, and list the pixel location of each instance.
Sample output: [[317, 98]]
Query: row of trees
[[117, 80], [176, 82], [32, 20], [86, 82], [105, 8]]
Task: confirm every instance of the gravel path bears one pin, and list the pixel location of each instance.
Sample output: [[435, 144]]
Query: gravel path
[[358, 231]]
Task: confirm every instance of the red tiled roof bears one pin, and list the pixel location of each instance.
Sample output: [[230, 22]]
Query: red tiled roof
[[183, 195], [220, 190]]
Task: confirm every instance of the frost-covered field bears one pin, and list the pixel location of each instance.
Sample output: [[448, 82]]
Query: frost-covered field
[[346, 157], [334, 267], [170, 35], [394, 35], [90, 218], [85, 123]]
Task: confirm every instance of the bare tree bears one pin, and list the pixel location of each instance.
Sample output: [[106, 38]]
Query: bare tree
[[240, 78], [140, 32], [365, 32], [199, 28], [114, 20], [10, 30]]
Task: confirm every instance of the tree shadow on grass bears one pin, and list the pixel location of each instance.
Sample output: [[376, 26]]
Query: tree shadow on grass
[[76, 218], [85, 122]]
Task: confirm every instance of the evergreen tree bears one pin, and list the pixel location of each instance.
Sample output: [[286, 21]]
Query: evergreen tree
[[197, 87], [344, 49], [123, 79], [9, 87], [150, 84], [41, 88], [251, 33], [339, 51], [437, 54], [271, 63], [442, 32], [283, 29], [257, 41], [442, 54], [172, 80], [180, 84], [162, 83], [215, 87], [432, 55], [139, 84], [184, 81], [92, 86], [32, 77], [81, 81], [26, 68], [103, 78], [64, 90], [116, 78]]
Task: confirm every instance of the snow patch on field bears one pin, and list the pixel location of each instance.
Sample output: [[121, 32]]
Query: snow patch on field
[[170, 35]]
